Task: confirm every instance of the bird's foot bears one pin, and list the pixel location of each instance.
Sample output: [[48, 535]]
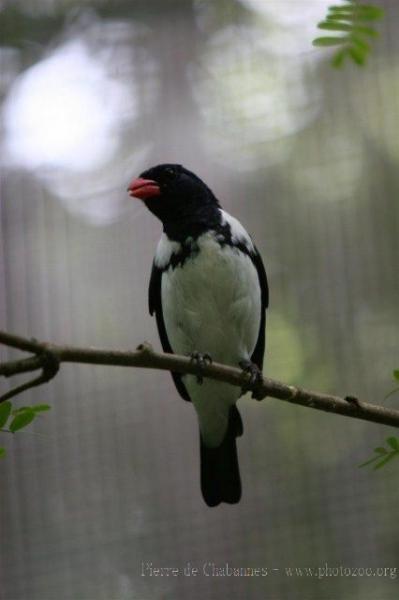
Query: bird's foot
[[201, 360], [255, 378], [352, 400]]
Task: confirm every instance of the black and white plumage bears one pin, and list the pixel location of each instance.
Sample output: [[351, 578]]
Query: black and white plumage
[[208, 291]]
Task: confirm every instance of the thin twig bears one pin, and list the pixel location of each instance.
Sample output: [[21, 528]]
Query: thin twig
[[146, 358]]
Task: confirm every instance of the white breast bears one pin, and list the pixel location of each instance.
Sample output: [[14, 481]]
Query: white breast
[[212, 304]]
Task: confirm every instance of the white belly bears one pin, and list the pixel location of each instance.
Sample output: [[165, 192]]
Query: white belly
[[213, 305]]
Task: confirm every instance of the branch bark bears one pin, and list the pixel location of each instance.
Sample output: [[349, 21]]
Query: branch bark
[[48, 357]]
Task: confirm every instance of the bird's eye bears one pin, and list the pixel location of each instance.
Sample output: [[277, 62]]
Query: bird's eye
[[169, 174]]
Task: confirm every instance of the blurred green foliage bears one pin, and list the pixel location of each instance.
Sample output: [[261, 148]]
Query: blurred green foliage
[[350, 20], [383, 455], [18, 418], [395, 390]]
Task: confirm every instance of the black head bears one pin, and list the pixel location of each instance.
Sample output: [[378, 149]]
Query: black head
[[175, 195]]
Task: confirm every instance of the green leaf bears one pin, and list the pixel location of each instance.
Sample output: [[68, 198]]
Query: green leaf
[[343, 9], [368, 462], [5, 410], [339, 57], [35, 407], [40, 408], [358, 55], [354, 16], [394, 443], [358, 9], [21, 409], [339, 17], [380, 452], [385, 460], [396, 374], [2, 452], [366, 16], [366, 30], [329, 41], [373, 12], [333, 26], [22, 420], [360, 43]]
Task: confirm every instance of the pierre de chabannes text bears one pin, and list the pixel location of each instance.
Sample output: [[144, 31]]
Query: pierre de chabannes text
[[211, 569]]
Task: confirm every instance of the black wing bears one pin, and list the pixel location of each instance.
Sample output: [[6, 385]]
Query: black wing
[[257, 355], [155, 305]]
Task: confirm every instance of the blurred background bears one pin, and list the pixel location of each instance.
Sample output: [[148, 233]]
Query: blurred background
[[94, 92]]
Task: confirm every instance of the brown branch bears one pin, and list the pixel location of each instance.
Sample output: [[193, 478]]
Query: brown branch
[[45, 359], [49, 356]]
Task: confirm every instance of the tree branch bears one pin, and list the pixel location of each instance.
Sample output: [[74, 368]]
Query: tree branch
[[48, 357]]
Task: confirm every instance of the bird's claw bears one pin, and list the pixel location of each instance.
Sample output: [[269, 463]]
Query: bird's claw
[[352, 400], [255, 378], [201, 360]]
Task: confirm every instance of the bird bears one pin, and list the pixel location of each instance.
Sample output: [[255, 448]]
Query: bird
[[209, 292]]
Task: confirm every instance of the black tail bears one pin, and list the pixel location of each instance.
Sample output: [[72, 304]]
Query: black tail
[[220, 474]]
